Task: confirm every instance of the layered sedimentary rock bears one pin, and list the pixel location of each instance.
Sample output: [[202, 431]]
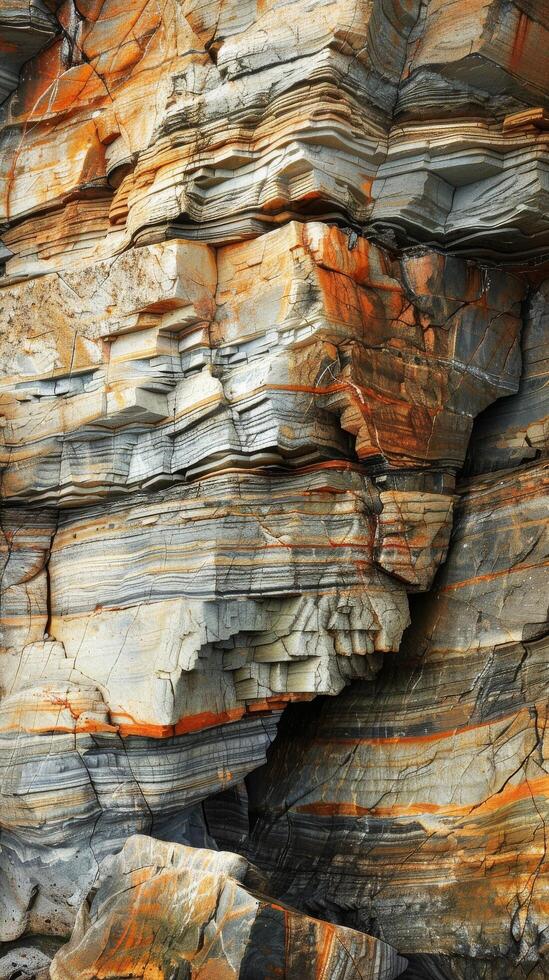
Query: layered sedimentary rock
[[264, 264], [263, 112], [516, 430], [423, 796], [175, 359], [211, 923], [155, 612], [25, 27]]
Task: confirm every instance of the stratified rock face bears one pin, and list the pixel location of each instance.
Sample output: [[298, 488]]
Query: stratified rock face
[[263, 265], [422, 797], [423, 122], [274, 568], [176, 359], [25, 27], [201, 920], [71, 797]]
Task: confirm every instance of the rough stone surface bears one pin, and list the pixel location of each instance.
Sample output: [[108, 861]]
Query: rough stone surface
[[416, 121], [203, 921], [422, 797], [516, 430], [25, 27], [273, 437]]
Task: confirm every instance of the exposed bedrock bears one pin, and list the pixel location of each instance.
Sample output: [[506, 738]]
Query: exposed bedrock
[[423, 122], [137, 612], [271, 279], [26, 26], [415, 807], [516, 430], [175, 359], [71, 798], [147, 684]]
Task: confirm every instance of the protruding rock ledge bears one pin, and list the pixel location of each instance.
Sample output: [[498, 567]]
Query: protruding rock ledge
[[175, 360]]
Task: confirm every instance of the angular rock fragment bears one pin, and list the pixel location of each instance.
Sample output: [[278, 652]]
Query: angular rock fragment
[[73, 790], [203, 921], [412, 535]]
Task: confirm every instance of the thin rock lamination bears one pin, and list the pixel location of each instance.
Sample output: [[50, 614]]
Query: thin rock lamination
[[159, 612], [416, 122], [176, 359], [424, 794]]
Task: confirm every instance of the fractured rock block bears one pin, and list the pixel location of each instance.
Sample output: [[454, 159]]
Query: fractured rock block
[[412, 535], [516, 430], [282, 350], [236, 137], [235, 571], [464, 55], [203, 920]]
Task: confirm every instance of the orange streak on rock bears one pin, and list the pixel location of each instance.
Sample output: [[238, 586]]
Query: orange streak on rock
[[492, 575], [192, 723], [127, 726], [413, 739], [511, 794], [520, 40], [325, 950]]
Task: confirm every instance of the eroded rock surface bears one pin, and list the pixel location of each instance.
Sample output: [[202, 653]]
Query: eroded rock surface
[[202, 920], [263, 265], [423, 795], [26, 26], [423, 122]]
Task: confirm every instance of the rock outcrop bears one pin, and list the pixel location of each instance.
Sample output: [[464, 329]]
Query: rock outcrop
[[26, 26], [422, 796], [421, 122], [272, 279]]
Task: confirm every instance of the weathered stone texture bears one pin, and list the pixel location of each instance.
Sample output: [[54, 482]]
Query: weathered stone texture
[[273, 309], [516, 430], [211, 924], [25, 27], [346, 113], [423, 796]]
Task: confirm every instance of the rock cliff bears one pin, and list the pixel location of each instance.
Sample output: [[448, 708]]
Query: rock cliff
[[273, 436]]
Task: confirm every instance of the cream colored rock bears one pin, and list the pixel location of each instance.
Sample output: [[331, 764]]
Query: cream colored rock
[[270, 352], [412, 535]]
